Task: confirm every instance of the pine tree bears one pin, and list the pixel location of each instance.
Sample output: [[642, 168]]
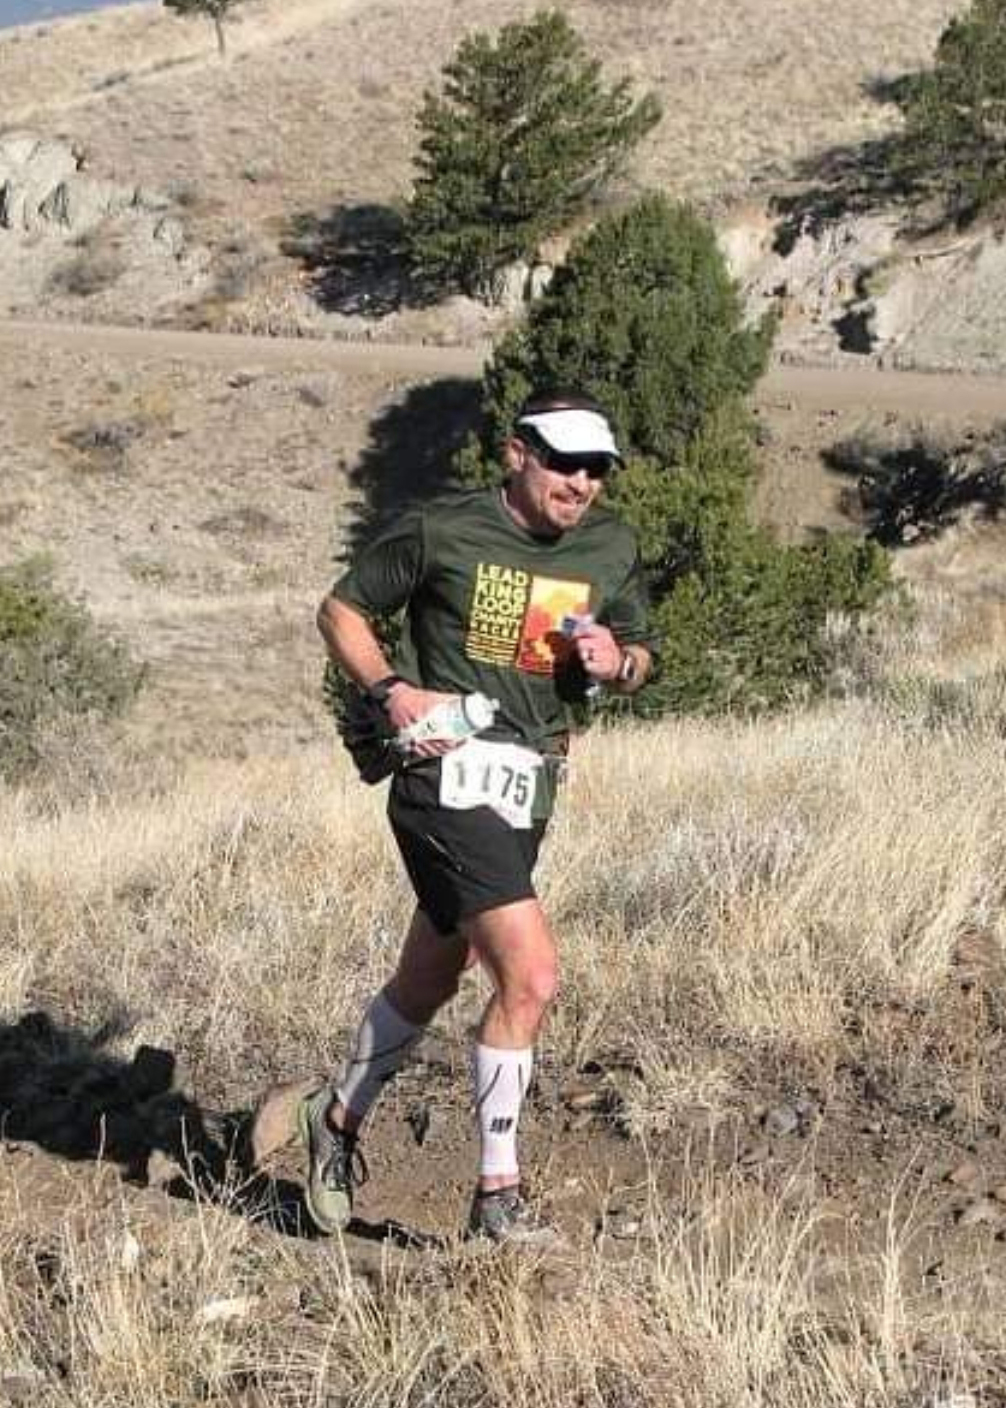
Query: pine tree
[[956, 113], [521, 138], [216, 10]]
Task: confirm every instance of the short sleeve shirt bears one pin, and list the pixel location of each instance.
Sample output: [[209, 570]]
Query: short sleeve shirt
[[485, 602]]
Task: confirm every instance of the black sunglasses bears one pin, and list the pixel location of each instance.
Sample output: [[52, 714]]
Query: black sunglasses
[[594, 466]]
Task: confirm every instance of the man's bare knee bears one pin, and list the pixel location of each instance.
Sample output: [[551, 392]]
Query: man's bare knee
[[533, 988]]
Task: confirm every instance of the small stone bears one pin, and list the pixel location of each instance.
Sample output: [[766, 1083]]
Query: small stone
[[999, 1193], [419, 1119], [964, 1174], [622, 1226], [781, 1120], [227, 1308], [981, 1213], [161, 1170], [809, 1113], [583, 1097]]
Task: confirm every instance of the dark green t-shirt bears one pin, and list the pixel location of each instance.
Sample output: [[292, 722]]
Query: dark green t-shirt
[[485, 601]]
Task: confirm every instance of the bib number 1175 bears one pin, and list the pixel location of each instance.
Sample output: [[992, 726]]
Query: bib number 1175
[[497, 775]]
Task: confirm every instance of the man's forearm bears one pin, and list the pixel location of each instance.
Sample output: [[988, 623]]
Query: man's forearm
[[351, 642]]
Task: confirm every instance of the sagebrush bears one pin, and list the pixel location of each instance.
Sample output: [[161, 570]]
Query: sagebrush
[[55, 663]]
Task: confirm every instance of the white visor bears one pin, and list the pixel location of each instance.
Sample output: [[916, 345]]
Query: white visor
[[574, 432]]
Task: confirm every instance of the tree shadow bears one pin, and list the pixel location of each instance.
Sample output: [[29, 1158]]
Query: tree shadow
[[410, 454], [911, 493], [63, 1091], [861, 178], [356, 258]]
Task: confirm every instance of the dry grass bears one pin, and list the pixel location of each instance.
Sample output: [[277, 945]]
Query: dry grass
[[745, 882], [728, 1305], [735, 903]]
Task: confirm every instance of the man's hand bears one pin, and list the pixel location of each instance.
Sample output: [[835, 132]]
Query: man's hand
[[599, 652], [407, 705]]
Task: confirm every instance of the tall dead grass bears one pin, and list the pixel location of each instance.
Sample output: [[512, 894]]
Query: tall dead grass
[[732, 900]]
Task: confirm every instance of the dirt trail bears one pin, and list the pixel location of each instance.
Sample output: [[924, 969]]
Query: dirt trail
[[956, 396], [410, 360]]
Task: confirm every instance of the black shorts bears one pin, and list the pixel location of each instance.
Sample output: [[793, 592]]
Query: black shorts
[[460, 862]]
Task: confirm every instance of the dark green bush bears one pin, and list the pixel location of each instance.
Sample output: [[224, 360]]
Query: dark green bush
[[956, 113], [54, 663], [645, 318], [522, 136]]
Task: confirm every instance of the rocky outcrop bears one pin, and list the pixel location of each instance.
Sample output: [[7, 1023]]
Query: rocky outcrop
[[45, 188], [110, 248], [861, 286]]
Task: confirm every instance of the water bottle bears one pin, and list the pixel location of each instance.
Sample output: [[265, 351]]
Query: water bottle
[[452, 721]]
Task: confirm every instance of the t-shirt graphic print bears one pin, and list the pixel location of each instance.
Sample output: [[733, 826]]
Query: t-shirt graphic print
[[516, 617]]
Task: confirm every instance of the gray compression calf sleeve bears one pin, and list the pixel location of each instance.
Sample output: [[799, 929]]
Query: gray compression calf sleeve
[[382, 1047]]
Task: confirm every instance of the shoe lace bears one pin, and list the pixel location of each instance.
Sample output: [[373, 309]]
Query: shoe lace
[[345, 1166]]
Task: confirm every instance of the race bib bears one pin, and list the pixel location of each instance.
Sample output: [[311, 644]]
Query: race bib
[[502, 776]]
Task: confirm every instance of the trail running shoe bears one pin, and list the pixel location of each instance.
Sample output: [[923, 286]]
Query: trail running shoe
[[335, 1165], [503, 1215]]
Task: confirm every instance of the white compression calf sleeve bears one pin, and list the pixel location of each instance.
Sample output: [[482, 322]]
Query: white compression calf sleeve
[[382, 1046], [501, 1079]]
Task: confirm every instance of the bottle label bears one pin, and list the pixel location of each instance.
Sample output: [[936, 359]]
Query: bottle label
[[502, 776], [455, 719]]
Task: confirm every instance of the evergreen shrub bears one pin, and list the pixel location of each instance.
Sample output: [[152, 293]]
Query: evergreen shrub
[[645, 318], [55, 663], [522, 136]]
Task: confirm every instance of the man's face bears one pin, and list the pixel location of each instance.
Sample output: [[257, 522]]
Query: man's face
[[546, 501]]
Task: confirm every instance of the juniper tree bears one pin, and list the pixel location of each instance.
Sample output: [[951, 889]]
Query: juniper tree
[[523, 134], [956, 112], [645, 317], [215, 10]]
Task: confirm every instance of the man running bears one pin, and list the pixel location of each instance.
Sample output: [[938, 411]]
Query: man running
[[531, 594]]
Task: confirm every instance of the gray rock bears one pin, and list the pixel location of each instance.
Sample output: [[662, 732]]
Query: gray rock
[[984, 1212], [781, 1120], [31, 169], [539, 279], [622, 1224], [513, 286]]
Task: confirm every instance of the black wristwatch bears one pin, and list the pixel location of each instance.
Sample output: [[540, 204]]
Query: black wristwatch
[[380, 691]]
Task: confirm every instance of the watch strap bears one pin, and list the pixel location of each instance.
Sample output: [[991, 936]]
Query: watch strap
[[379, 691], [628, 669]]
